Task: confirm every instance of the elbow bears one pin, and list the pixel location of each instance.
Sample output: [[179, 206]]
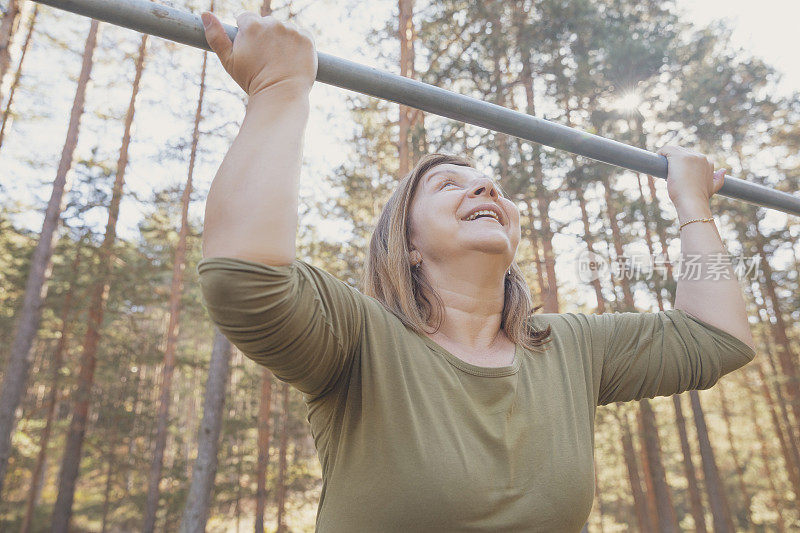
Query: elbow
[[749, 341], [746, 338], [752, 346], [227, 245]]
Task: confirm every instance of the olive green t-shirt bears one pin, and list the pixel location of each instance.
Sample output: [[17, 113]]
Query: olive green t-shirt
[[412, 438]]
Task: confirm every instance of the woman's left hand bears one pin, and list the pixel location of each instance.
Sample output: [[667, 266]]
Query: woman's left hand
[[691, 179]]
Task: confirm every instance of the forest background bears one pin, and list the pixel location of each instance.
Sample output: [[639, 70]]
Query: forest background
[[121, 410]]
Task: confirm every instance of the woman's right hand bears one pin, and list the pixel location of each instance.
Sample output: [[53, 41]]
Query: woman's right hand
[[266, 52]]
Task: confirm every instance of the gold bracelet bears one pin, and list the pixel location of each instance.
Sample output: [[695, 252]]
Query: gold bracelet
[[711, 219]]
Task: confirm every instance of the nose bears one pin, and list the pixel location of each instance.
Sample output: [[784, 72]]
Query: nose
[[484, 185]]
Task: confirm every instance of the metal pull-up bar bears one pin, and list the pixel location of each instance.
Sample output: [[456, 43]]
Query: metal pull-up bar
[[187, 28]]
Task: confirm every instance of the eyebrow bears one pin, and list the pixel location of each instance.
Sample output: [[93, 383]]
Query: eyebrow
[[429, 179], [443, 171]]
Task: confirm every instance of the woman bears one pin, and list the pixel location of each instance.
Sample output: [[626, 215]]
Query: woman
[[437, 401]]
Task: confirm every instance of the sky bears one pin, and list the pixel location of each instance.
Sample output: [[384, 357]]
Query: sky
[[765, 28]]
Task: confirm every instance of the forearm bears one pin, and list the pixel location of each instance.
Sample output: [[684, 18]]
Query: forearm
[[251, 211], [715, 299]]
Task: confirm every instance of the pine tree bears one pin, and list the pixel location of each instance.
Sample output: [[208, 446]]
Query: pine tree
[[62, 511], [179, 265], [282, 467], [7, 114], [8, 29], [55, 384], [198, 501], [16, 374]]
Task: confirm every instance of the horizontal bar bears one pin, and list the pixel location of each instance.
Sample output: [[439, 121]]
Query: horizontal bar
[[187, 28]]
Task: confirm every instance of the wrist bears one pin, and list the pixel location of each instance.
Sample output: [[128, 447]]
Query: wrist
[[286, 89], [690, 209], [268, 105]]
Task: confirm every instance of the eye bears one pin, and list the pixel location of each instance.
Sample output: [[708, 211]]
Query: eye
[[447, 182]]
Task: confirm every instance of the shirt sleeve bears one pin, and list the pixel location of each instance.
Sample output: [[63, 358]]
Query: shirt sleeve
[[644, 355], [297, 320]]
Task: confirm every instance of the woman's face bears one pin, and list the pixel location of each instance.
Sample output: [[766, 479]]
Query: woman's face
[[445, 197]]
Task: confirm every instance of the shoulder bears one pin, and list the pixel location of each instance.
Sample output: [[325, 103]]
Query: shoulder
[[564, 323], [573, 333], [374, 310]]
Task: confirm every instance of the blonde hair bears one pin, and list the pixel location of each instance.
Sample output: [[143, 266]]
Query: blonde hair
[[403, 290]]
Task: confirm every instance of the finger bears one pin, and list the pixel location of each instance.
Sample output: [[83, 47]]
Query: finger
[[308, 34], [719, 179], [217, 39], [666, 150], [305, 33], [245, 19]]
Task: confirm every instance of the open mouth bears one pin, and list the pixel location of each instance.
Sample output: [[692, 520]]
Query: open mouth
[[484, 214]]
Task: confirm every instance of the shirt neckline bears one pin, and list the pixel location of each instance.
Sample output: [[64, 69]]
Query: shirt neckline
[[475, 370]]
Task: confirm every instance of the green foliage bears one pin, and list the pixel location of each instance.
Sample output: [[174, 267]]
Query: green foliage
[[577, 58]]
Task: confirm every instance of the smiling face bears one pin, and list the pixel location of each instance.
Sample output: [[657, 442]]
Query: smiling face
[[444, 199]]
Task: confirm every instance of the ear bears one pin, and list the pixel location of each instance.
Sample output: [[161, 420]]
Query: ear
[[415, 257]]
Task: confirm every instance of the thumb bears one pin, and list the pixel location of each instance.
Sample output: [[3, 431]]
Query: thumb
[[719, 179], [217, 39]]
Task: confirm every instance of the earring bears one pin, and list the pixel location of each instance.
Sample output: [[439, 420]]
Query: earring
[[416, 259]]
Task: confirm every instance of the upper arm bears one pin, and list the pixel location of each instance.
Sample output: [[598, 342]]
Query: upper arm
[[643, 355], [297, 320]]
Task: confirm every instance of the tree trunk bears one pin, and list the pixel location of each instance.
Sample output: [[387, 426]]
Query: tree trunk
[[616, 235], [62, 511], [667, 520], [499, 92], [526, 76], [649, 238], [406, 35], [18, 369], [107, 491], [786, 357], [238, 502], [649, 490], [264, 413], [762, 445], [8, 28], [198, 501], [542, 196], [191, 417], [17, 75], [789, 432], [629, 454], [600, 507], [531, 233], [714, 487], [176, 290], [790, 451], [52, 397], [551, 296], [744, 521], [131, 445], [598, 288], [695, 500], [282, 457]]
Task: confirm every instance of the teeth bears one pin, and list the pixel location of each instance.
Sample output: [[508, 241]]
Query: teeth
[[475, 215]]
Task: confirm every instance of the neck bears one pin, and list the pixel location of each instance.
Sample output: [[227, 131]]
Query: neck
[[473, 296]]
